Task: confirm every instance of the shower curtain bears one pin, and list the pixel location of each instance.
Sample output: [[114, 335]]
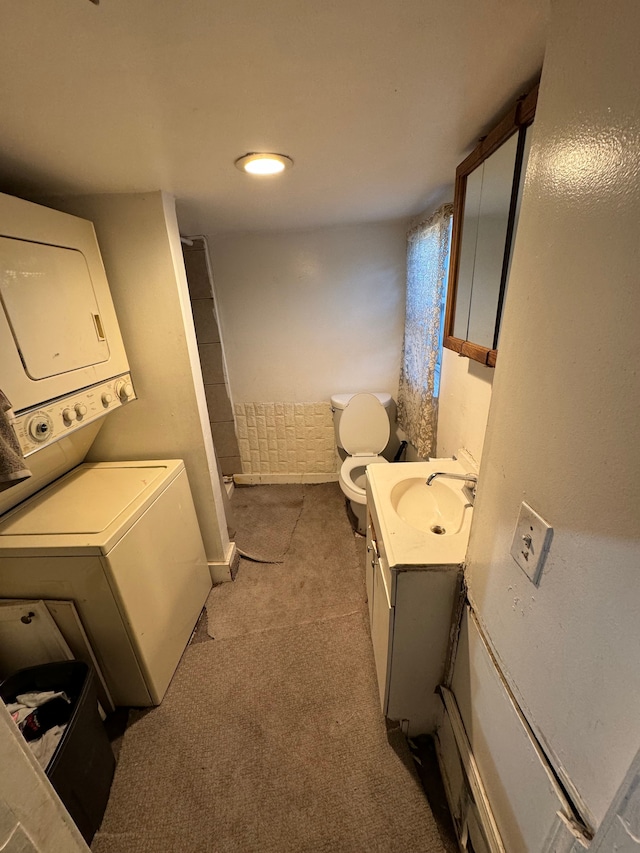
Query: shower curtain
[[427, 268]]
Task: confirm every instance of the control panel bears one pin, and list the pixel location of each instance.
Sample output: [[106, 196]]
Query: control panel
[[41, 426]]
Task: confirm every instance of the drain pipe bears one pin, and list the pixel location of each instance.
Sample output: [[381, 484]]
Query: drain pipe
[[400, 451]]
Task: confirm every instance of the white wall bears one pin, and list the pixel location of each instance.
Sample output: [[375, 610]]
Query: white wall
[[140, 244], [463, 407], [563, 425], [32, 818], [308, 314]]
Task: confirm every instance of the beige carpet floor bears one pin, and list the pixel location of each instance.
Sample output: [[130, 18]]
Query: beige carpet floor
[[320, 576], [271, 740], [265, 518]]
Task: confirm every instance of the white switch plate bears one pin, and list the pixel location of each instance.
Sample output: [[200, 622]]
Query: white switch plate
[[531, 542]]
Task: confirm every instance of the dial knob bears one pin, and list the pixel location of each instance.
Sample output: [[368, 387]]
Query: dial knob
[[106, 399], [125, 390], [69, 415], [81, 410], [40, 427]]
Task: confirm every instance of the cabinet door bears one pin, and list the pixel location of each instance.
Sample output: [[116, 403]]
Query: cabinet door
[[66, 617], [28, 637], [382, 634]]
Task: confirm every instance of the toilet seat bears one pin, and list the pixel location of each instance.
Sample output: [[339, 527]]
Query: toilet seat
[[364, 432], [364, 426], [348, 469]]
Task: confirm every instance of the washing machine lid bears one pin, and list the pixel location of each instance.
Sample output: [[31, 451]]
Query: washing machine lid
[[364, 425], [90, 508]]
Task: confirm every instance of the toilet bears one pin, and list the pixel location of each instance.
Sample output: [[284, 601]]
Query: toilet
[[362, 428]]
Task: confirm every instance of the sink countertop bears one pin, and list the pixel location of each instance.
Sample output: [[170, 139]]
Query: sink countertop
[[405, 545]]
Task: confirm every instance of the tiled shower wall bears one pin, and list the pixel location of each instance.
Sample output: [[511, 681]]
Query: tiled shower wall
[[210, 351], [287, 442]]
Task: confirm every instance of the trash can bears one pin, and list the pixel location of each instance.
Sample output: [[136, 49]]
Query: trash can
[[82, 767]]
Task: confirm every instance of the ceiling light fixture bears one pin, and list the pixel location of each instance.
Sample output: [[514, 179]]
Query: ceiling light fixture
[[263, 164]]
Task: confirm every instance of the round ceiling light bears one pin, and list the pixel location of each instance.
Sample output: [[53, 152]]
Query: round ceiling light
[[264, 164]]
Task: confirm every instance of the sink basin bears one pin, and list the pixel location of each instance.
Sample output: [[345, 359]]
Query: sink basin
[[438, 509]]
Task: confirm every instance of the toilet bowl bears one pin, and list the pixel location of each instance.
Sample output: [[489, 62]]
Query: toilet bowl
[[362, 430]]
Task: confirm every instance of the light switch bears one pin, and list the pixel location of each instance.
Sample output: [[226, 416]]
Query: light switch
[[531, 542]]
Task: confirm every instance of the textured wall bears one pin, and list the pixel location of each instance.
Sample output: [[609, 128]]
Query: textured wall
[[563, 425], [289, 442]]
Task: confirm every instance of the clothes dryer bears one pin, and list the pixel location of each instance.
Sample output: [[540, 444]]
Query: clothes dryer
[[64, 366]]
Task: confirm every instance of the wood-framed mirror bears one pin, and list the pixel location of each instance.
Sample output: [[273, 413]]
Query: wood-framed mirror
[[486, 205]]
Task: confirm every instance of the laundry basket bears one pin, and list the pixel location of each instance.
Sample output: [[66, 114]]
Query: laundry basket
[[81, 769]]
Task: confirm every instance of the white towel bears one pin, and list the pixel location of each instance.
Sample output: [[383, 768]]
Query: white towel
[[12, 466]]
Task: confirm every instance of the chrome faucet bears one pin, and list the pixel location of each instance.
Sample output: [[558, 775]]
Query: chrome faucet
[[470, 480]]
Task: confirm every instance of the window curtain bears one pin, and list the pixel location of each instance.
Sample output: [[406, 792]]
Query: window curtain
[[427, 268]]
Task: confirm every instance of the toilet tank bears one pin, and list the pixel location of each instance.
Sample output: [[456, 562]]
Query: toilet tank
[[339, 402]]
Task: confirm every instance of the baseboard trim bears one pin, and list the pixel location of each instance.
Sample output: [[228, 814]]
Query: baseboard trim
[[225, 571], [266, 479], [485, 814]]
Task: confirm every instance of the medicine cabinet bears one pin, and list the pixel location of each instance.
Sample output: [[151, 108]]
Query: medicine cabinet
[[486, 205]]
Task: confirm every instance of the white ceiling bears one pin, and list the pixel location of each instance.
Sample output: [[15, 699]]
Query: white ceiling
[[375, 101]]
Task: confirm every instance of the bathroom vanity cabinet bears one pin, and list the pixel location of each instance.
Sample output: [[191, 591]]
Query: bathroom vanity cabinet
[[412, 608]]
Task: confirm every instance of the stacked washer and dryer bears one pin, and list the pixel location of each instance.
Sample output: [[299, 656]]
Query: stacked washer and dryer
[[118, 539]]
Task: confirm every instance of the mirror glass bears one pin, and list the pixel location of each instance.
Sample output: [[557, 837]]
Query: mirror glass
[[486, 207], [492, 220], [468, 253], [526, 132]]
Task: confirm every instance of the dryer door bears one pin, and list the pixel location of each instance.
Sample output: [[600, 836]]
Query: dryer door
[[58, 328], [49, 300]]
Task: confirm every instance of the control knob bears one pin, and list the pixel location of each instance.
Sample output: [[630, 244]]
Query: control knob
[[69, 415], [106, 399], [40, 427], [124, 390], [81, 410]]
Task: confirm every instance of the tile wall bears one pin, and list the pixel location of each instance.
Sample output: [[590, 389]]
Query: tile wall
[[211, 359], [287, 442]]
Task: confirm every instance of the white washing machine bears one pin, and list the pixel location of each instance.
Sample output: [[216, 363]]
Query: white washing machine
[[121, 540]]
